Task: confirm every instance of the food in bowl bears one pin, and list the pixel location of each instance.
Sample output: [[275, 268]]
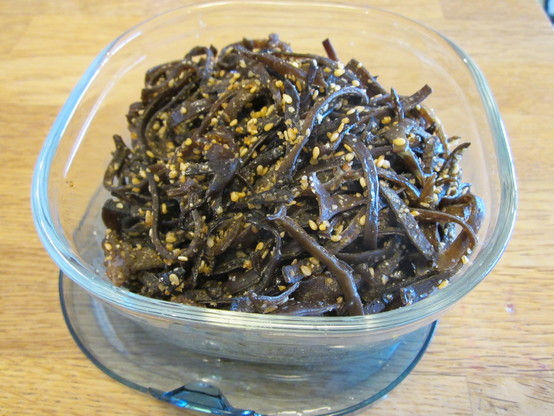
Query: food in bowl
[[263, 180]]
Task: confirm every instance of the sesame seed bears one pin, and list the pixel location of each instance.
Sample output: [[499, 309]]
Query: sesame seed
[[334, 137], [339, 72], [314, 260], [464, 259], [362, 220], [188, 142], [291, 109], [355, 83], [386, 120], [148, 217], [336, 238], [182, 258], [247, 264], [399, 141], [455, 169], [312, 225], [362, 181], [279, 83], [287, 98], [268, 126], [260, 246], [150, 154], [170, 237], [315, 152], [306, 270], [351, 111], [233, 122], [108, 246], [443, 284], [349, 157], [210, 242], [174, 279]]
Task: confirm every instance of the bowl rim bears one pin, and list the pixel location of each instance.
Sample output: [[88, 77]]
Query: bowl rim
[[421, 311]]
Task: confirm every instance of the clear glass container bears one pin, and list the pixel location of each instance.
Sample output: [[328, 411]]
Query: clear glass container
[[67, 197]]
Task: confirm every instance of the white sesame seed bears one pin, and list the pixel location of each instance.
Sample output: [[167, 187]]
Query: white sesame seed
[[174, 279], [315, 152], [306, 270], [443, 284], [399, 141]]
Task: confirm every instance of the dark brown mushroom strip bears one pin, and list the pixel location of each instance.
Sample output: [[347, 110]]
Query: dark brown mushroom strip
[[330, 50], [340, 270], [270, 181], [118, 157], [164, 252], [409, 224], [371, 227]]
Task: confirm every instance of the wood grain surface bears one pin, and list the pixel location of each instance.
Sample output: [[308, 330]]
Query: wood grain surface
[[493, 353]]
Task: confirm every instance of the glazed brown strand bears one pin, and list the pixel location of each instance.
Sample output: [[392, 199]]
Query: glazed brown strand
[[262, 180]]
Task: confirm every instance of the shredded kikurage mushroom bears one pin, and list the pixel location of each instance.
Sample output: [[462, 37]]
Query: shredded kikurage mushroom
[[263, 180]]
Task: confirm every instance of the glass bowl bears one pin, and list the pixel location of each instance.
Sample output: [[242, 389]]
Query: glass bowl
[[113, 325]]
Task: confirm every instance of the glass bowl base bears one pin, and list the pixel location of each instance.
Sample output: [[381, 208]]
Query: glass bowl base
[[131, 355]]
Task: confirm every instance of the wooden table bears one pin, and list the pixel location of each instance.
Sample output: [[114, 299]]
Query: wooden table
[[493, 353]]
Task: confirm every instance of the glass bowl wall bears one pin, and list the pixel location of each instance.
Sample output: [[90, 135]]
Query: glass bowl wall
[[67, 195]]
